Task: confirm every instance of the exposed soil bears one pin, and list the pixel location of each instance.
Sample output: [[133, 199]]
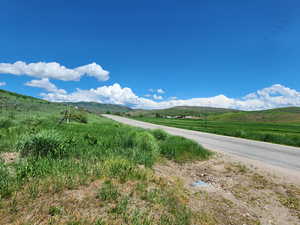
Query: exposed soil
[[238, 190], [9, 157]]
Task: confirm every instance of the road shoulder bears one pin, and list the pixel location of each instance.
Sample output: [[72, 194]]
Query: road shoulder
[[236, 189]]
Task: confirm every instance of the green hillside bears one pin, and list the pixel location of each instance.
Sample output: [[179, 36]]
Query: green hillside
[[279, 115], [100, 108], [182, 111], [22, 105], [105, 162]]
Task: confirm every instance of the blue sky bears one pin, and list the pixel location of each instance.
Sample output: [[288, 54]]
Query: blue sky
[[211, 53]]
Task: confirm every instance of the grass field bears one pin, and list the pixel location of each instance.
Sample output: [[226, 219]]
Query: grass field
[[281, 133], [41, 159]]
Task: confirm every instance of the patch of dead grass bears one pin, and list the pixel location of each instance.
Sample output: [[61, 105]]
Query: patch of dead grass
[[9, 157]]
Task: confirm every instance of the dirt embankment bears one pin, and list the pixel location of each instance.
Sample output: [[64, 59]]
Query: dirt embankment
[[237, 193]]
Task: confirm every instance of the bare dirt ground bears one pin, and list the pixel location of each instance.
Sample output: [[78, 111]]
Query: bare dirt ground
[[237, 190], [9, 157]]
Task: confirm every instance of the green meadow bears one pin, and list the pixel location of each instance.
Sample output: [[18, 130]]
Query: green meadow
[[287, 133]]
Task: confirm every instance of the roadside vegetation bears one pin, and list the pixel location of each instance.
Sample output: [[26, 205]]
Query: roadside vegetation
[[280, 133], [43, 158]]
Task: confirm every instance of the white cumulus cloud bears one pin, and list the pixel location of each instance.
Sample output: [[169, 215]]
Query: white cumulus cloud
[[157, 97], [45, 84], [2, 84], [270, 97], [54, 70], [160, 91], [113, 94]]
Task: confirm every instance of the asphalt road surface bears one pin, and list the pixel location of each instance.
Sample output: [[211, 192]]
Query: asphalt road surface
[[282, 156]]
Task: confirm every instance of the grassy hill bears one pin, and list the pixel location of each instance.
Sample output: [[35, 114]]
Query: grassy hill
[[21, 104], [54, 173], [279, 115], [182, 111], [100, 108]]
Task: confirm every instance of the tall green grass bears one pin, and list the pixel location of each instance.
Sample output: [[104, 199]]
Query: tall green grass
[[181, 149], [76, 153], [45, 143]]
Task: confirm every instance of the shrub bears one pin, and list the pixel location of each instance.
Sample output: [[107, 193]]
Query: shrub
[[181, 149], [79, 117], [45, 143], [146, 142], [239, 133], [5, 123], [90, 139], [146, 148], [140, 146], [121, 169], [47, 166], [118, 168], [159, 134], [5, 181], [128, 138]]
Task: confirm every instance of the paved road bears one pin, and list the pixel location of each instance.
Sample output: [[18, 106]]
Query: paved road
[[285, 157]]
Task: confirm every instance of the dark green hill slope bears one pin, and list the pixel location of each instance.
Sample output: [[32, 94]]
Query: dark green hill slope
[[101, 108], [21, 104]]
